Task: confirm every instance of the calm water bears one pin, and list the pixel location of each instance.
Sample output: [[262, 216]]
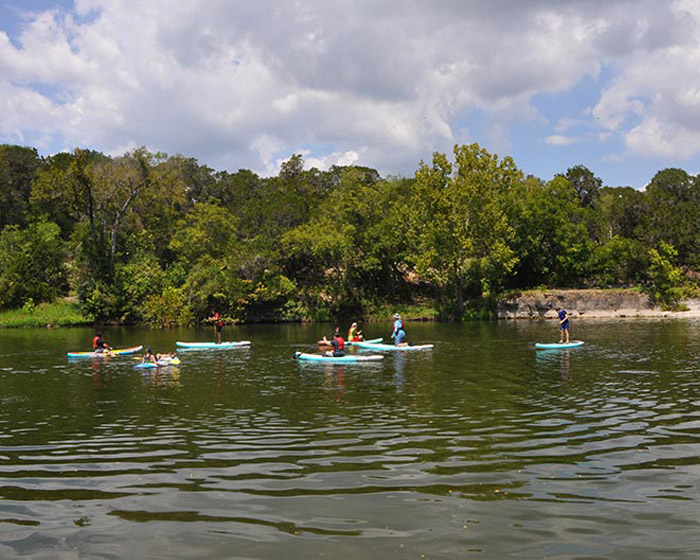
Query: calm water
[[482, 448]]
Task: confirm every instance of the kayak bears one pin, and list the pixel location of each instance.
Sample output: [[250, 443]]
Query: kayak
[[116, 352], [212, 345], [160, 363], [553, 345], [374, 346], [348, 358]]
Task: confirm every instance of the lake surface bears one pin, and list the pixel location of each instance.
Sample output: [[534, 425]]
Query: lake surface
[[482, 448]]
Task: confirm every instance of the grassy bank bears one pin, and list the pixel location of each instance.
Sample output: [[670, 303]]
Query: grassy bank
[[410, 312], [57, 314]]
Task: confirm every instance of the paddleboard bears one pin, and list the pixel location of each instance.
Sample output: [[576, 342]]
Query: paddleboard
[[375, 346], [349, 358], [211, 345], [160, 363], [328, 344], [115, 352], [553, 345], [370, 341]]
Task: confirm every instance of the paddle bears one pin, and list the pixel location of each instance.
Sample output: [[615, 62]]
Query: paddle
[[310, 346]]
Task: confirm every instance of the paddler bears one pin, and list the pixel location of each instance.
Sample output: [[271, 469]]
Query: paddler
[[218, 324], [99, 345], [563, 325], [149, 356], [353, 334], [337, 343], [399, 334]]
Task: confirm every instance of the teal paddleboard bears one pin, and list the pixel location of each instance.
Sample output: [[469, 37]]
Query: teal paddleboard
[[554, 345], [349, 358]]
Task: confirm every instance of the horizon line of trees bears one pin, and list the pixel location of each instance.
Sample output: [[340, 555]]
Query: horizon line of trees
[[147, 237]]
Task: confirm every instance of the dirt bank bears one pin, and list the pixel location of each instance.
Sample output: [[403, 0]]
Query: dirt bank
[[587, 303]]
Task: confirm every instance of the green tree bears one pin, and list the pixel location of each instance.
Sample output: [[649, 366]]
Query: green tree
[[585, 184], [666, 280], [551, 239], [32, 264], [460, 228], [674, 213], [18, 167]]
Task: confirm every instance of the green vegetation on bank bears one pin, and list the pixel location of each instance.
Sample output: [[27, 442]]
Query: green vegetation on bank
[[56, 314], [162, 240]]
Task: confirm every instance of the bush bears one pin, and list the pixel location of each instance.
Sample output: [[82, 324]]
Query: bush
[[666, 287], [167, 309], [32, 264]]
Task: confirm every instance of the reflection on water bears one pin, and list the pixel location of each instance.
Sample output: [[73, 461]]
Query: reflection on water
[[483, 447]]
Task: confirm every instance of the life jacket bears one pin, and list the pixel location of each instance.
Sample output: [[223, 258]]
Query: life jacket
[[94, 342], [340, 341]]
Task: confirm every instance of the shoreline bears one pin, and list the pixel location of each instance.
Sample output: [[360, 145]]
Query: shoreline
[[592, 303]]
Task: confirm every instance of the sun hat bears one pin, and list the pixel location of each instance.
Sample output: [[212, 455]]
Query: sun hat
[[397, 316]]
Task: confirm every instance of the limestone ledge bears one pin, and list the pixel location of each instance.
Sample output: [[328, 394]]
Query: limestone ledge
[[587, 303]]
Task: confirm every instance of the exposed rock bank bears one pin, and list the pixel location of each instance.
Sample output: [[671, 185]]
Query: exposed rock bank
[[587, 303]]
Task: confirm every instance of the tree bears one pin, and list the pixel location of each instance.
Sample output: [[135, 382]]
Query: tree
[[18, 167], [100, 192], [585, 184], [462, 237], [674, 211], [32, 264], [552, 239]]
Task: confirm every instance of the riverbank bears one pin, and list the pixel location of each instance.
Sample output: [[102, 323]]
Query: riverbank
[[64, 313], [618, 303]]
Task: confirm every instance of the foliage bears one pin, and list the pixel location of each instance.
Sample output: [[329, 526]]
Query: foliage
[[145, 237], [666, 280], [167, 309], [18, 168], [461, 232], [57, 314], [32, 264]]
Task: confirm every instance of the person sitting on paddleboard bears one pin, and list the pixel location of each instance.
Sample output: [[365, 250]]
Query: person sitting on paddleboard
[[338, 345], [149, 356], [353, 334], [399, 334], [218, 324], [563, 325], [99, 345]]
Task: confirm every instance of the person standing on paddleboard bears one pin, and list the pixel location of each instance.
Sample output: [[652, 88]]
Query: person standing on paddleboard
[[399, 334], [99, 345], [563, 325], [218, 324]]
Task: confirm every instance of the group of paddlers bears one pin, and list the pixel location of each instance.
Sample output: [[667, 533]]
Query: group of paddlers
[[335, 345]]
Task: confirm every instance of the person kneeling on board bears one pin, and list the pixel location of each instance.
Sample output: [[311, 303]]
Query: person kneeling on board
[[353, 334], [338, 345], [99, 345]]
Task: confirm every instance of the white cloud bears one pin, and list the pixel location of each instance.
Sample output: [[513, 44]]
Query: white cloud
[[560, 140], [380, 83]]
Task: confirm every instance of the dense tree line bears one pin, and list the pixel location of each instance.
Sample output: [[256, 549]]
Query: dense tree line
[[150, 238]]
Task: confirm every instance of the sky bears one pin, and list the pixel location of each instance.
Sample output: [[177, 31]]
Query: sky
[[244, 84]]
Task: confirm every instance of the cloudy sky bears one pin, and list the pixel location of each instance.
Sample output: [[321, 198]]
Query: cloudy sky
[[611, 84]]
